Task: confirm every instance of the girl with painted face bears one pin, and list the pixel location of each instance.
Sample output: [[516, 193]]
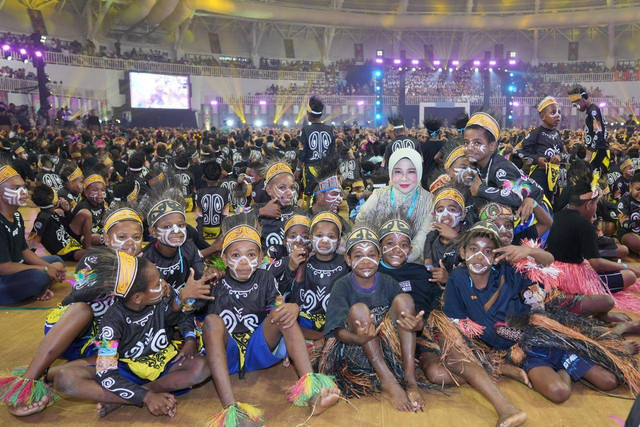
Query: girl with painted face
[[247, 329], [482, 298], [134, 345], [404, 196], [361, 304], [89, 212], [283, 190], [621, 185], [458, 167], [72, 178], [327, 195], [449, 222]]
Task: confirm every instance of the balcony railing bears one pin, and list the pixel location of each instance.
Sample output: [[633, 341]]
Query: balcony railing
[[31, 86]]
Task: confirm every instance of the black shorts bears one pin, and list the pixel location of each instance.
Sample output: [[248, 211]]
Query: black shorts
[[613, 280]]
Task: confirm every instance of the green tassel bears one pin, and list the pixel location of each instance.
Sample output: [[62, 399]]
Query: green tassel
[[216, 262], [308, 386]]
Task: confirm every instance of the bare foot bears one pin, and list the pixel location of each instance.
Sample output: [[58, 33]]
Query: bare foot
[[518, 374], [611, 317], [105, 409], [46, 295], [627, 328], [512, 418], [326, 399], [632, 347], [415, 397], [392, 391], [34, 408]]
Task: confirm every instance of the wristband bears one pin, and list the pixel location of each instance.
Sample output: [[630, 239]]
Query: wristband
[[190, 335], [624, 266], [298, 169], [46, 269], [178, 301], [535, 204]]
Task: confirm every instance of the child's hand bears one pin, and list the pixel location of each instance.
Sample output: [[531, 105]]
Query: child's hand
[[64, 205], [526, 209], [298, 256], [160, 403], [286, 315], [411, 323], [512, 253], [213, 275], [195, 289], [439, 274], [56, 271], [270, 210], [475, 186], [445, 231], [188, 351], [366, 332]]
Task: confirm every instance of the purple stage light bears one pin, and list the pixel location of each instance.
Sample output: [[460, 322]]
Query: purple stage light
[[263, 102], [415, 61], [22, 51], [512, 62], [214, 102], [360, 102], [456, 63], [379, 60], [516, 104], [396, 61], [476, 62], [436, 62], [492, 62], [602, 104], [6, 47], [38, 54]]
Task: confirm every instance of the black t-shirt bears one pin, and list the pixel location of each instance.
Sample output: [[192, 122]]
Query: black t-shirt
[[317, 142], [70, 197], [22, 167], [212, 200], [51, 228], [572, 238], [541, 142], [414, 280], [595, 131], [313, 294], [12, 241], [429, 150], [238, 201], [259, 194], [175, 270], [51, 179], [350, 169], [97, 214], [438, 251], [530, 233]]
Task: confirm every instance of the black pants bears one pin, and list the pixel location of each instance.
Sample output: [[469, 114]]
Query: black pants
[[597, 161]]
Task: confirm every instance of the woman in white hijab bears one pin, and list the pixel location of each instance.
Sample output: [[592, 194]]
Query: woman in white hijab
[[404, 196]]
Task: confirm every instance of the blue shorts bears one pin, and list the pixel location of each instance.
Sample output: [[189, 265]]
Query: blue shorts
[[556, 359], [82, 346], [124, 370], [258, 355]]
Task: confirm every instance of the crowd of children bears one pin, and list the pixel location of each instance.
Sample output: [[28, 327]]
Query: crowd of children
[[355, 255]]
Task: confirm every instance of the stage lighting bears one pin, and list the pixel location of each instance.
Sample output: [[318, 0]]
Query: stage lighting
[[214, 102], [510, 117], [262, 102], [512, 62], [491, 69], [510, 74], [6, 47], [436, 62], [476, 62], [456, 63], [516, 104], [492, 62], [512, 88], [379, 60], [379, 52], [440, 69], [602, 104], [23, 51], [413, 69], [477, 69], [333, 123], [360, 102], [378, 88], [377, 73], [399, 68], [258, 123], [397, 61], [285, 123], [26, 61], [38, 54], [451, 70], [378, 102], [415, 61], [229, 122], [512, 54], [378, 116]]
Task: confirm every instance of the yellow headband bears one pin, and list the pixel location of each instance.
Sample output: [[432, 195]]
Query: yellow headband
[[19, 150], [108, 161], [92, 179], [626, 163], [327, 216], [156, 179], [450, 194], [277, 169], [573, 98], [127, 269], [241, 233], [134, 194], [77, 173], [55, 197], [439, 182], [297, 220], [485, 121], [124, 214], [453, 156], [549, 100], [7, 172]]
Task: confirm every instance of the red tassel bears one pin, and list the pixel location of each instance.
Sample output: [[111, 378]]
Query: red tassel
[[580, 279]]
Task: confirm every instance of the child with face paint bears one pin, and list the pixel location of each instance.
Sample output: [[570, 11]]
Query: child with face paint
[[283, 190], [23, 274], [361, 304], [406, 196], [489, 296], [621, 185], [543, 148], [498, 179], [247, 329], [439, 248], [136, 361], [327, 195], [458, 167], [51, 228], [89, 212], [70, 330], [72, 178]]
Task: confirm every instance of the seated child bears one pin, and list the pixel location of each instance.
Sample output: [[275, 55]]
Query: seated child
[[72, 184], [247, 329], [89, 212], [628, 215]]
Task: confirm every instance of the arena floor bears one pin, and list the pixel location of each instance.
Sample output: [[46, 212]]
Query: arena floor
[[22, 329]]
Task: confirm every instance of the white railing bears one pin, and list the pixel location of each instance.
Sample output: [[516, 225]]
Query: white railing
[[580, 77], [31, 86], [170, 68]]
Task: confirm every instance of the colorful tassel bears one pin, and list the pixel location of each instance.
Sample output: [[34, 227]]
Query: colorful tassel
[[580, 279], [106, 347], [469, 328], [16, 391], [234, 414], [216, 262], [308, 386], [629, 299], [547, 276]]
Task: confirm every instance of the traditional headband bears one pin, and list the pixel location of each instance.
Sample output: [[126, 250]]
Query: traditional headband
[[180, 168], [576, 96], [76, 155], [450, 194], [362, 234], [549, 100], [107, 161], [92, 179], [126, 275], [53, 202], [133, 196], [453, 156], [326, 216], [595, 189], [439, 182], [162, 209], [626, 164], [277, 169], [241, 233], [77, 173], [487, 227], [487, 122], [135, 169], [312, 111], [297, 220], [19, 150], [156, 179], [331, 183], [358, 183], [394, 226], [392, 127], [494, 211], [123, 214], [7, 172]]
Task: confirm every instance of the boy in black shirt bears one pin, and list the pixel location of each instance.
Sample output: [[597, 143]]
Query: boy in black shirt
[[212, 202], [629, 216], [595, 132]]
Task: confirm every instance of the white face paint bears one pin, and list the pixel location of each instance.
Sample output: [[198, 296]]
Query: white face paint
[[297, 241], [13, 196], [388, 249], [558, 114], [478, 268], [506, 233], [359, 261], [119, 245], [333, 199], [285, 197], [453, 216], [333, 245], [156, 293], [464, 175], [97, 196], [175, 241], [233, 264]]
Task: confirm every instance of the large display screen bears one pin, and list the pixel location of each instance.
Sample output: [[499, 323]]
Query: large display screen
[[159, 91]]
